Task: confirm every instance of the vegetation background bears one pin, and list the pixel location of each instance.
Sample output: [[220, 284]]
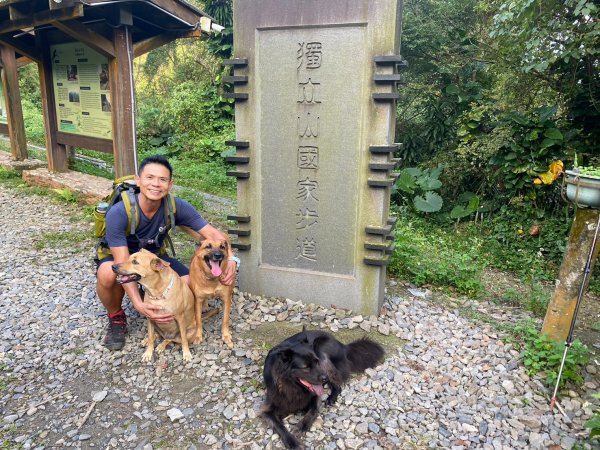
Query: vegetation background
[[495, 92]]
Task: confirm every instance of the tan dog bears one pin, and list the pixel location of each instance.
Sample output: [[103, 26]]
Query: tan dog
[[206, 267], [163, 287]]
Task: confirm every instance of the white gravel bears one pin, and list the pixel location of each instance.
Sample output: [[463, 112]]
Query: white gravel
[[447, 381]]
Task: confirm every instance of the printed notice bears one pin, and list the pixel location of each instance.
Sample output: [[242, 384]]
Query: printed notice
[[81, 90]]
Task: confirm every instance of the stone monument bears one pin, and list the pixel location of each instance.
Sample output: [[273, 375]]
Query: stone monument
[[315, 92]]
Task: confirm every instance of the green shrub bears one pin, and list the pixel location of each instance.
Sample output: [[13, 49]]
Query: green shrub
[[532, 297], [34, 122], [540, 354], [594, 423], [197, 110], [426, 254], [7, 174], [511, 247], [206, 177]]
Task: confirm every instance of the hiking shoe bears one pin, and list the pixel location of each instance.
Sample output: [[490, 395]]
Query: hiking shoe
[[116, 331]]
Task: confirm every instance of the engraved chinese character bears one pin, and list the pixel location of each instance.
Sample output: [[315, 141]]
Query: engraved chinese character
[[308, 127], [308, 92], [307, 218], [313, 55], [308, 157], [307, 249], [300, 55], [311, 52], [306, 189]]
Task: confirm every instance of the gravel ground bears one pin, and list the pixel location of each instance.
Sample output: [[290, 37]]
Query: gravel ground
[[447, 381]]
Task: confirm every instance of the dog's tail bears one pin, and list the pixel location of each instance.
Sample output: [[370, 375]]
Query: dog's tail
[[364, 354]]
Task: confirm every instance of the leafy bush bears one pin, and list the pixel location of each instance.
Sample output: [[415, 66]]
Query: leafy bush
[[519, 242], [10, 175], [594, 423], [540, 354], [207, 177], [428, 255], [420, 185], [34, 122], [197, 110], [533, 298]]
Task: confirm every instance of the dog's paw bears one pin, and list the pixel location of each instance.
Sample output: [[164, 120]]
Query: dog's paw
[[228, 341], [147, 356], [187, 356], [330, 400], [302, 427], [197, 340], [292, 443]]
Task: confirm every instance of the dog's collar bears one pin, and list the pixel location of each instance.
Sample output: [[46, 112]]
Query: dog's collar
[[166, 292]]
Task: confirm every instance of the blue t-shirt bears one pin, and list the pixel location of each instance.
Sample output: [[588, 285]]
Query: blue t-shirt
[[150, 233]]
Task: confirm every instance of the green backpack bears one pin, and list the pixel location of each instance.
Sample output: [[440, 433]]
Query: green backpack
[[124, 190]]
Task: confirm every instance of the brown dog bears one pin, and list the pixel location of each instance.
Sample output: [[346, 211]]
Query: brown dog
[[206, 267], [163, 287]]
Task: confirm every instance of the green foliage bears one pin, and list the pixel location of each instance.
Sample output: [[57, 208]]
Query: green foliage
[[540, 354], [34, 121], [589, 171], [221, 44], [534, 140], [29, 85], [533, 297], [510, 247], [555, 44], [427, 255], [445, 74], [468, 203], [7, 174], [192, 196], [207, 177], [89, 168], [594, 423], [64, 239], [420, 184], [66, 195], [196, 110]]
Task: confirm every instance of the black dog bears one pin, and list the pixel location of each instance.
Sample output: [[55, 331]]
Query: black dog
[[296, 370]]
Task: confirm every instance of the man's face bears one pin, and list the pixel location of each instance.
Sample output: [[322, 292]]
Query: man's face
[[154, 181]]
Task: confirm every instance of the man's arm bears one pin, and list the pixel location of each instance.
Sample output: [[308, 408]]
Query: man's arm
[[210, 232], [121, 254]]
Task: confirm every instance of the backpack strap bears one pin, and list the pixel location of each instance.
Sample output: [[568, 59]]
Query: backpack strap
[[170, 209], [133, 214]]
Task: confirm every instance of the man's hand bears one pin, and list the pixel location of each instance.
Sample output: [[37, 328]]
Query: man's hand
[[228, 276], [152, 312]]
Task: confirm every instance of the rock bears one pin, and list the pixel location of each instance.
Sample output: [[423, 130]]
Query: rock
[[175, 414], [99, 396]]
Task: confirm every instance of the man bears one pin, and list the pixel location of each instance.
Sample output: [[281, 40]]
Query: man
[[155, 181]]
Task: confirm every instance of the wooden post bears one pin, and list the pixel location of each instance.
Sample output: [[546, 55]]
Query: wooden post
[[123, 103], [14, 110], [55, 152], [562, 305]]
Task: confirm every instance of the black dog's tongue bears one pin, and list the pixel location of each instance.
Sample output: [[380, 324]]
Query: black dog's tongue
[[316, 389]]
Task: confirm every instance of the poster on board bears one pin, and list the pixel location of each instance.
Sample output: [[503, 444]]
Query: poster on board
[[3, 113], [81, 90]]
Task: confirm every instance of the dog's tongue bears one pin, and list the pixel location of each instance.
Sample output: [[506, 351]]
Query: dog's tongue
[[215, 268], [317, 389]]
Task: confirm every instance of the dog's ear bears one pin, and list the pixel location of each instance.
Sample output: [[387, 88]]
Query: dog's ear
[[287, 355], [158, 264], [319, 341], [225, 244], [199, 243]]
